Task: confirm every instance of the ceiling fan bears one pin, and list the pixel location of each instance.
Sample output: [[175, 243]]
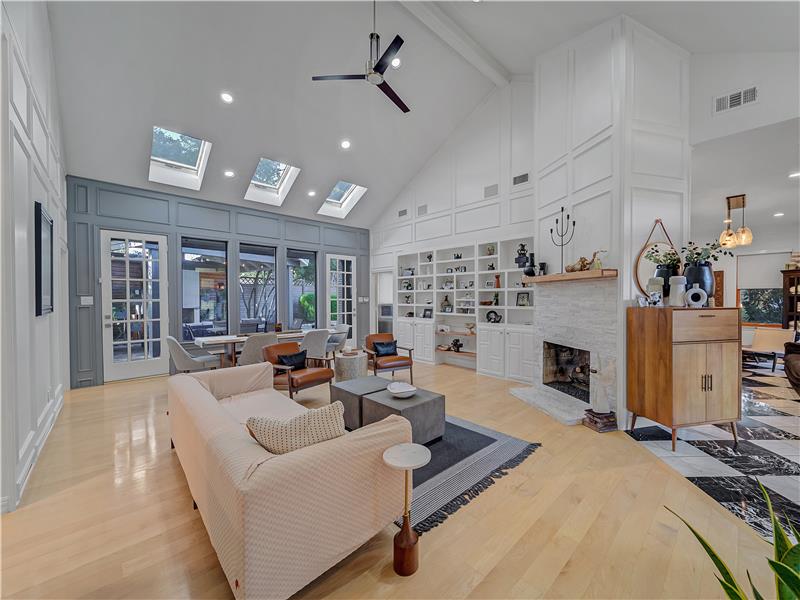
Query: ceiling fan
[[375, 67]]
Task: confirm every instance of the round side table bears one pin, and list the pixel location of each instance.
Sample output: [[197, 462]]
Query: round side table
[[350, 367], [406, 457]]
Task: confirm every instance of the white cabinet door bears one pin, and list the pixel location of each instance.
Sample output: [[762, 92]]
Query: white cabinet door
[[491, 351], [405, 334], [519, 354], [423, 341]]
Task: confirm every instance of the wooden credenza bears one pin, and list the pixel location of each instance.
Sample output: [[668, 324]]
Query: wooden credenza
[[684, 366]]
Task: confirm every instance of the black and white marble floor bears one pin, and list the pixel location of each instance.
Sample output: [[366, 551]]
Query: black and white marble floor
[[768, 450]]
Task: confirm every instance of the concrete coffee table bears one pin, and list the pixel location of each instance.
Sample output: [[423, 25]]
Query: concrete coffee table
[[425, 411], [350, 393]]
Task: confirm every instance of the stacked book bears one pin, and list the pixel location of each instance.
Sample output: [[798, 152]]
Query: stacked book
[[600, 422]]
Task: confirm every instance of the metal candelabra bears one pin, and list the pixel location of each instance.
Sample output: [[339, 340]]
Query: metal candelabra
[[562, 232]]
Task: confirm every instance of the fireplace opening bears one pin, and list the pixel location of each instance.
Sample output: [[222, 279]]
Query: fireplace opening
[[567, 370]]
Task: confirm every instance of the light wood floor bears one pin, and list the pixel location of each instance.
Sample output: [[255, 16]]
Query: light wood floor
[[107, 514]]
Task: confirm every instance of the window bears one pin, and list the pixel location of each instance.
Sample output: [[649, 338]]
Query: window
[[301, 268], [341, 199], [178, 159], [269, 173], [204, 267], [271, 182], [258, 304], [761, 305], [340, 192]]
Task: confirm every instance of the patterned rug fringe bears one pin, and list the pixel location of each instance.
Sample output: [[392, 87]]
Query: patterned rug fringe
[[473, 492]]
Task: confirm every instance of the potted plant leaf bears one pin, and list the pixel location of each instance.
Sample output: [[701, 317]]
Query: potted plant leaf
[[697, 264], [785, 563], [667, 262]]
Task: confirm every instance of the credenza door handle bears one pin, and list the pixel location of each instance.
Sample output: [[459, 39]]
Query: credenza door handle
[[702, 383], [710, 383]]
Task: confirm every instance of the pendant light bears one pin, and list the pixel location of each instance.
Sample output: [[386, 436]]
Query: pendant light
[[727, 239], [744, 237]]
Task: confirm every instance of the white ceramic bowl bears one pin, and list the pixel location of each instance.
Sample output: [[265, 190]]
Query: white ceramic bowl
[[400, 389]]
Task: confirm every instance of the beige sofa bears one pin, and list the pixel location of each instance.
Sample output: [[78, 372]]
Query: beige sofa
[[278, 521]]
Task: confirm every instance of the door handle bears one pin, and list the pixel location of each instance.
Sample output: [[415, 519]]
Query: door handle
[[702, 383], [710, 383]]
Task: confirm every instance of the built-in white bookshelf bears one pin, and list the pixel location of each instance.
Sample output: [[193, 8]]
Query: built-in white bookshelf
[[450, 293]]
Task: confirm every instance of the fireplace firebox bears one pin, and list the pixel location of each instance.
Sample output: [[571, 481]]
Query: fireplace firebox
[[567, 370]]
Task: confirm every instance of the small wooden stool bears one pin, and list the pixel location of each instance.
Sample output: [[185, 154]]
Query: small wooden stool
[[406, 457]]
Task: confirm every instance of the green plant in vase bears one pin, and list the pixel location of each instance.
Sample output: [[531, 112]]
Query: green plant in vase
[[785, 564], [667, 262], [697, 261]]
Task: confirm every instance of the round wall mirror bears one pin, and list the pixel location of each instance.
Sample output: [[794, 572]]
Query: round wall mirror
[[644, 269]]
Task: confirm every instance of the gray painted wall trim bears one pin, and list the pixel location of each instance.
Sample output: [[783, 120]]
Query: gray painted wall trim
[[93, 206]]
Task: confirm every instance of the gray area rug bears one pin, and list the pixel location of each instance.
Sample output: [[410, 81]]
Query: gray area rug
[[464, 463]]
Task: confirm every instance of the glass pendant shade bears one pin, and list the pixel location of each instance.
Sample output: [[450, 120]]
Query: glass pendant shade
[[744, 237], [728, 239]]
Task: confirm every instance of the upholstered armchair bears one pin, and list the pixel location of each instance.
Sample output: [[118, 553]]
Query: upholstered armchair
[[317, 370], [395, 362], [791, 364]]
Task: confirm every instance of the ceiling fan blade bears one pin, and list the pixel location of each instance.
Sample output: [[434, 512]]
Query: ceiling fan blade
[[383, 61], [386, 89], [336, 77]]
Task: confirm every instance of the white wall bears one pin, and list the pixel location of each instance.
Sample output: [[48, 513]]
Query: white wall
[[712, 75], [34, 355]]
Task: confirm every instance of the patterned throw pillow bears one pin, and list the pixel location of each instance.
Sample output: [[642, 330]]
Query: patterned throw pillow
[[296, 361], [312, 427], [385, 348]]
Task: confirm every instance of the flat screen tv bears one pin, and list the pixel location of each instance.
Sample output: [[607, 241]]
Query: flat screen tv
[[43, 244]]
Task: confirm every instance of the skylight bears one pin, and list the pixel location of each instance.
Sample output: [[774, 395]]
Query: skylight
[[340, 192], [270, 173], [271, 182], [341, 199], [177, 158]]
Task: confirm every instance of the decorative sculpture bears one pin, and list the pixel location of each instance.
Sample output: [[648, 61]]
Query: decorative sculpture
[[562, 232]]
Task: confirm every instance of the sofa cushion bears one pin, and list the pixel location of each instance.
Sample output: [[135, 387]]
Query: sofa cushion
[[296, 360], [397, 361], [262, 403], [223, 383], [385, 348], [280, 436]]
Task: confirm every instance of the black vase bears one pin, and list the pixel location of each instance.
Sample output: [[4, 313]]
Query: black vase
[[701, 274], [665, 272], [530, 268]]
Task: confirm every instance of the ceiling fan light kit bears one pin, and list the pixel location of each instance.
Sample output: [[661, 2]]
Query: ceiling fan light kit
[[376, 66]]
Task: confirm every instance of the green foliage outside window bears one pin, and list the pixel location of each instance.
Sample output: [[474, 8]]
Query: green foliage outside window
[[762, 305]]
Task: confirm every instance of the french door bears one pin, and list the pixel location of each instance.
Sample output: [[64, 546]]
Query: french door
[[135, 305], [341, 278]]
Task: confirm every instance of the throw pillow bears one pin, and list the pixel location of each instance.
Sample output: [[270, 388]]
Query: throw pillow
[[296, 361], [385, 348], [312, 427]]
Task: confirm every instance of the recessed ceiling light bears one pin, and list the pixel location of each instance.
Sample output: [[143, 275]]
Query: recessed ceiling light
[[229, 173], [778, 215], [476, 1], [227, 98], [396, 62], [794, 174], [312, 193], [345, 144]]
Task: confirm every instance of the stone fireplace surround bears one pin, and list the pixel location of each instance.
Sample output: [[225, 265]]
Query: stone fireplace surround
[[580, 314]]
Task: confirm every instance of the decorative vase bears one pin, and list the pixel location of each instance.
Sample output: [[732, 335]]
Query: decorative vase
[[497, 281], [677, 284], [696, 297], [530, 268], [446, 304], [701, 274], [666, 273]]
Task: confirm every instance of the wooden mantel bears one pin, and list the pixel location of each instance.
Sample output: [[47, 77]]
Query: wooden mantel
[[576, 276]]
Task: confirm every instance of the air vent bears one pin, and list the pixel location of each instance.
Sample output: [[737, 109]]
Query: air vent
[[735, 99], [422, 210], [520, 179], [402, 213], [491, 190]]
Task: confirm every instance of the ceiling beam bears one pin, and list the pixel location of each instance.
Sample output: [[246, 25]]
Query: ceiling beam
[[459, 40]]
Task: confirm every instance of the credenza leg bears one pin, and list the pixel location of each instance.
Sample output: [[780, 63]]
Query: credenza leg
[[633, 421], [733, 431], [674, 438]]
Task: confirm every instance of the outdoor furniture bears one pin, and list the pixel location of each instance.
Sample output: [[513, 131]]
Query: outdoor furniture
[[350, 367], [350, 392], [424, 410], [768, 341], [338, 340], [396, 362], [249, 325], [227, 341], [185, 362], [316, 372], [315, 342], [252, 349]]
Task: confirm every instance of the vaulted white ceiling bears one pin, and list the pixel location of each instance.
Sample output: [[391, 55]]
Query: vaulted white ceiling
[[124, 67]]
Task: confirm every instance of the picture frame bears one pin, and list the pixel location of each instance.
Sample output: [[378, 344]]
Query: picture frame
[[43, 259], [427, 313], [523, 298]]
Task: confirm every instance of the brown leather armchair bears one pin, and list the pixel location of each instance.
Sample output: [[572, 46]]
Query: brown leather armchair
[[316, 372], [791, 364], [395, 362]]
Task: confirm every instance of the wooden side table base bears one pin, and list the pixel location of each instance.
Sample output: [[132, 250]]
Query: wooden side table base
[[406, 549]]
